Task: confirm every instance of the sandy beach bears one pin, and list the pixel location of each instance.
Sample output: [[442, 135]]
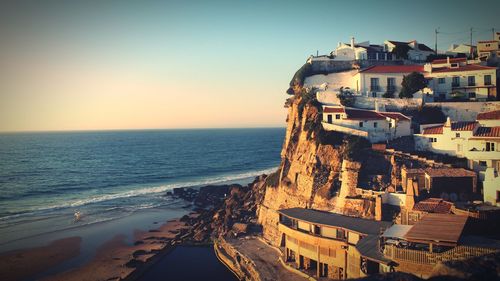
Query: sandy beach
[[20, 264]]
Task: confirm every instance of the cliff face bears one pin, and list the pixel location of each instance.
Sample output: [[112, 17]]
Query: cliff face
[[310, 171]]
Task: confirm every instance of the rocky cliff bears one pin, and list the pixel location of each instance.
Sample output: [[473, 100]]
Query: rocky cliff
[[313, 163]]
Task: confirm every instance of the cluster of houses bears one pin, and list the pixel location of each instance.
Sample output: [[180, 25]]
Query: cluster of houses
[[476, 140]]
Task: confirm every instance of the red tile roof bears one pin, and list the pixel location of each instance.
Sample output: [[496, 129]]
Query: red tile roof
[[441, 61], [360, 114], [490, 115], [449, 173], [469, 67], [395, 115], [463, 126], [488, 41], [333, 110], [488, 132], [393, 69], [434, 130], [433, 205]]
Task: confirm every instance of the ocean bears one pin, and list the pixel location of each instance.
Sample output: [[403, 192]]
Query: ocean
[[109, 175]]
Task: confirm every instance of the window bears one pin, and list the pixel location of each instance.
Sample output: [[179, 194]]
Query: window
[[482, 163], [471, 80], [337, 116], [391, 84], [329, 116], [432, 139], [457, 135], [360, 124], [375, 125], [390, 124], [374, 84], [487, 79], [454, 65], [441, 80], [472, 95], [490, 146], [455, 82]]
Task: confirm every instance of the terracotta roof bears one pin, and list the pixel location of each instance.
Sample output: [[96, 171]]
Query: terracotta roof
[[489, 132], [393, 69], [395, 115], [488, 41], [433, 205], [360, 114], [449, 173], [463, 126], [441, 61], [333, 110], [444, 228], [469, 67], [490, 115], [434, 130]]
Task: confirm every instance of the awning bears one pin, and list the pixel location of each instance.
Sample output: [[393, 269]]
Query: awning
[[397, 231]]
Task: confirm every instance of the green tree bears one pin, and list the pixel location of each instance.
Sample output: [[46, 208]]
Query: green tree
[[412, 83], [401, 51]]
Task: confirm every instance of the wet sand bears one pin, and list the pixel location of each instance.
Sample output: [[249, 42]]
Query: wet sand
[[20, 264], [116, 259]]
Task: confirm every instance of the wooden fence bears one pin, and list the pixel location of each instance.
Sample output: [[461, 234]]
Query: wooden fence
[[423, 257]]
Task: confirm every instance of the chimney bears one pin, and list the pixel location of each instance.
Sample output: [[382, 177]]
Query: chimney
[[448, 122], [414, 44], [378, 208], [352, 42], [410, 195], [448, 60]]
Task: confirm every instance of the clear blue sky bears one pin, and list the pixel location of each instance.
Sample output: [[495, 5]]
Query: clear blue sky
[[171, 64]]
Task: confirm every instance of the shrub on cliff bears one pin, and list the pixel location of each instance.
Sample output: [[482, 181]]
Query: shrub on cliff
[[354, 147], [346, 97]]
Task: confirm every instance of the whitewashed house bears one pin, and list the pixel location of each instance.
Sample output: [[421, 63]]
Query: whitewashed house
[[456, 49], [489, 48], [478, 141], [373, 125], [416, 52], [377, 80], [461, 78], [361, 51]]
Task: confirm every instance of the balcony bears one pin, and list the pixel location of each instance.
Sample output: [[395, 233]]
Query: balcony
[[471, 84], [391, 89], [374, 88], [455, 85]]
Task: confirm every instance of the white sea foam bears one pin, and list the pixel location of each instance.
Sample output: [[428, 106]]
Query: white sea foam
[[150, 190]]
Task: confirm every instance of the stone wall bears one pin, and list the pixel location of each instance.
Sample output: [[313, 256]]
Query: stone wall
[[391, 104], [465, 111]]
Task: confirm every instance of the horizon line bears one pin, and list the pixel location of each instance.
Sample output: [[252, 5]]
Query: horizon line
[[135, 129]]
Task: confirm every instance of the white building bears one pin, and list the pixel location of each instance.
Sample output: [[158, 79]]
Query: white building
[[465, 49], [478, 141], [489, 48], [461, 79], [377, 80], [416, 52], [361, 51], [374, 125]]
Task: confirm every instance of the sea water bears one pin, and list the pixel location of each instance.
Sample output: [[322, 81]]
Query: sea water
[[109, 175]]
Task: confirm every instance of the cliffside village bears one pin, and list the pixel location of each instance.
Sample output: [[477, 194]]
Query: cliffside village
[[442, 202], [438, 202]]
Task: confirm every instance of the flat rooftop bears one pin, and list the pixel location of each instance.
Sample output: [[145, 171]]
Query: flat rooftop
[[359, 225]]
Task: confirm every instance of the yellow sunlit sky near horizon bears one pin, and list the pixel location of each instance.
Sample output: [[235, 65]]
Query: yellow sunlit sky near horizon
[[99, 65]]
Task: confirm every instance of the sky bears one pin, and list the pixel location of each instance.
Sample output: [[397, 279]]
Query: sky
[[100, 65]]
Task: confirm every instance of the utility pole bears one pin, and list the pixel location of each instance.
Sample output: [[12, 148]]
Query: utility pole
[[472, 54], [436, 41], [493, 33]]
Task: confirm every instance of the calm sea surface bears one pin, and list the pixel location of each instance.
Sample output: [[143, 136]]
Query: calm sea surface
[[46, 177]]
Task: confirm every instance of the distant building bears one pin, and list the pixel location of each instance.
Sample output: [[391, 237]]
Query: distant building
[[361, 51], [375, 81], [416, 52], [462, 49], [490, 48], [458, 78], [373, 125]]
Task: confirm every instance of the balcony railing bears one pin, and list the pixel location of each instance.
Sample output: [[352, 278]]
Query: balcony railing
[[472, 84], [391, 89], [424, 257], [374, 88], [455, 85]]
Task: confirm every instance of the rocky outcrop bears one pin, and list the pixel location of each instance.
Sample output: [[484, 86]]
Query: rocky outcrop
[[313, 164]]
